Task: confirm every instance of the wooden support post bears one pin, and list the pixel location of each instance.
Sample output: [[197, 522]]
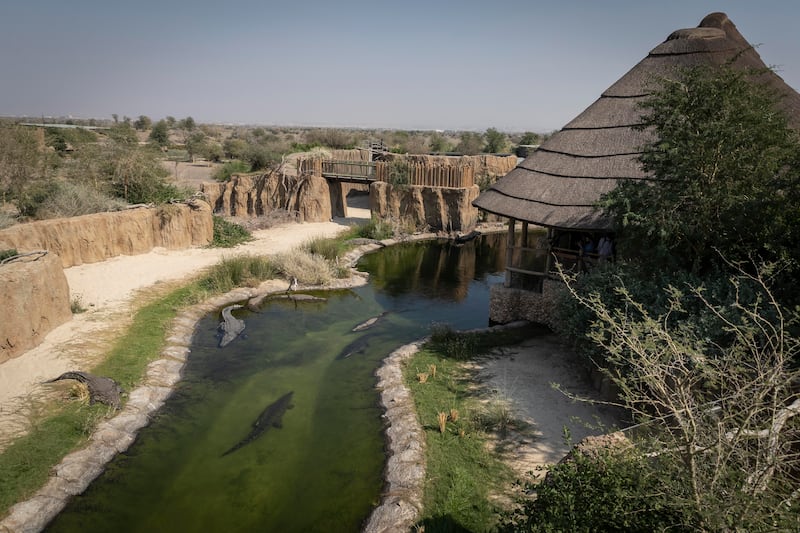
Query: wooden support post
[[524, 234], [510, 250], [549, 263]]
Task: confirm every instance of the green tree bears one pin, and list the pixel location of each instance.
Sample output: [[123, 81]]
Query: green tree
[[122, 132], [496, 141], [528, 139], [470, 143], [234, 148], [23, 162], [187, 124], [196, 144], [143, 123], [160, 133], [438, 143], [726, 166]]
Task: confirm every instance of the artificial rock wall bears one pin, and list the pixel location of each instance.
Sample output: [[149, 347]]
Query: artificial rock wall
[[439, 208], [35, 296], [97, 237], [257, 195], [35, 299]]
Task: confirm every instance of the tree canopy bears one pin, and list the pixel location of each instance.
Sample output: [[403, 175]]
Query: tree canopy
[[725, 165]]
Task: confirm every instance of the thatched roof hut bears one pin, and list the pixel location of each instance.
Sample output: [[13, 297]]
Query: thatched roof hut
[[558, 185]]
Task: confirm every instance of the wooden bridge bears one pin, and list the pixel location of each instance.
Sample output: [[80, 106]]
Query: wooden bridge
[[412, 173]]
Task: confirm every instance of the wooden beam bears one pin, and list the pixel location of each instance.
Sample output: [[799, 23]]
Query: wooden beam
[[509, 249]]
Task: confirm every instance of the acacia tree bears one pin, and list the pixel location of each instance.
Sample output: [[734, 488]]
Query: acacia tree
[[496, 141], [725, 168], [723, 428]]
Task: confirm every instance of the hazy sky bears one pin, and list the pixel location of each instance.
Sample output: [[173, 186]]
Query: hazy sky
[[511, 64]]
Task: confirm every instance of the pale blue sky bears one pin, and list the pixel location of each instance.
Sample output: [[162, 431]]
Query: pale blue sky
[[511, 64]]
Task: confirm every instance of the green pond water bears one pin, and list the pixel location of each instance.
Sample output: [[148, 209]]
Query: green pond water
[[321, 470]]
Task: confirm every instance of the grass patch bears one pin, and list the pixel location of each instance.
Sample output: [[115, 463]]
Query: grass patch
[[227, 234], [25, 465], [240, 271], [329, 248], [6, 254], [462, 471], [374, 229]]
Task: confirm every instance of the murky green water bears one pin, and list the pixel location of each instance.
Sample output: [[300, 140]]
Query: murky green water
[[321, 470]]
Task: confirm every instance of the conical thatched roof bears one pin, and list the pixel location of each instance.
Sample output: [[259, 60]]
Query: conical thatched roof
[[558, 184]]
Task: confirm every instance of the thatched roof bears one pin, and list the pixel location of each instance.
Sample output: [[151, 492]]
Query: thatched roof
[[558, 185]]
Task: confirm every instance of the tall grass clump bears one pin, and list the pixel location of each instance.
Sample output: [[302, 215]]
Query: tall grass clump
[[243, 270], [308, 268], [330, 249], [70, 199], [228, 234], [377, 229]]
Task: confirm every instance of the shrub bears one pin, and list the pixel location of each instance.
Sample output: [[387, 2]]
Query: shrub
[[225, 172], [308, 268], [227, 234], [70, 199], [244, 270], [330, 249], [5, 254], [374, 229], [602, 492]]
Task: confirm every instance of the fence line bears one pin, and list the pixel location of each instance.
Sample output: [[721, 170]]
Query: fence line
[[419, 174]]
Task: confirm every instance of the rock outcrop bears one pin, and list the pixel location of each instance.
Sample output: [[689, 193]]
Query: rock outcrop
[[35, 300], [97, 237], [438, 208], [257, 195]]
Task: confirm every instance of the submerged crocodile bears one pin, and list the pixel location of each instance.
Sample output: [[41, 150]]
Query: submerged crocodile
[[272, 416], [370, 322]]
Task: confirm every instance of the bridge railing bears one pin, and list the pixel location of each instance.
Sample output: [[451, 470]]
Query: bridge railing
[[427, 175], [420, 174], [348, 169]]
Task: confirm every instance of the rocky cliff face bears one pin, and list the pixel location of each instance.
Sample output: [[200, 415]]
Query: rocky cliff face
[[35, 301], [436, 207], [256, 195], [92, 238]]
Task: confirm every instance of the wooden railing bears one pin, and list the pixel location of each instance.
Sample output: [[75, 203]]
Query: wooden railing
[[419, 174], [424, 175]]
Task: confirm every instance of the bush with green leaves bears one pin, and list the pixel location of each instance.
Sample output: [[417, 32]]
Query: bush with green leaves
[[228, 234], [224, 172], [607, 491]]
